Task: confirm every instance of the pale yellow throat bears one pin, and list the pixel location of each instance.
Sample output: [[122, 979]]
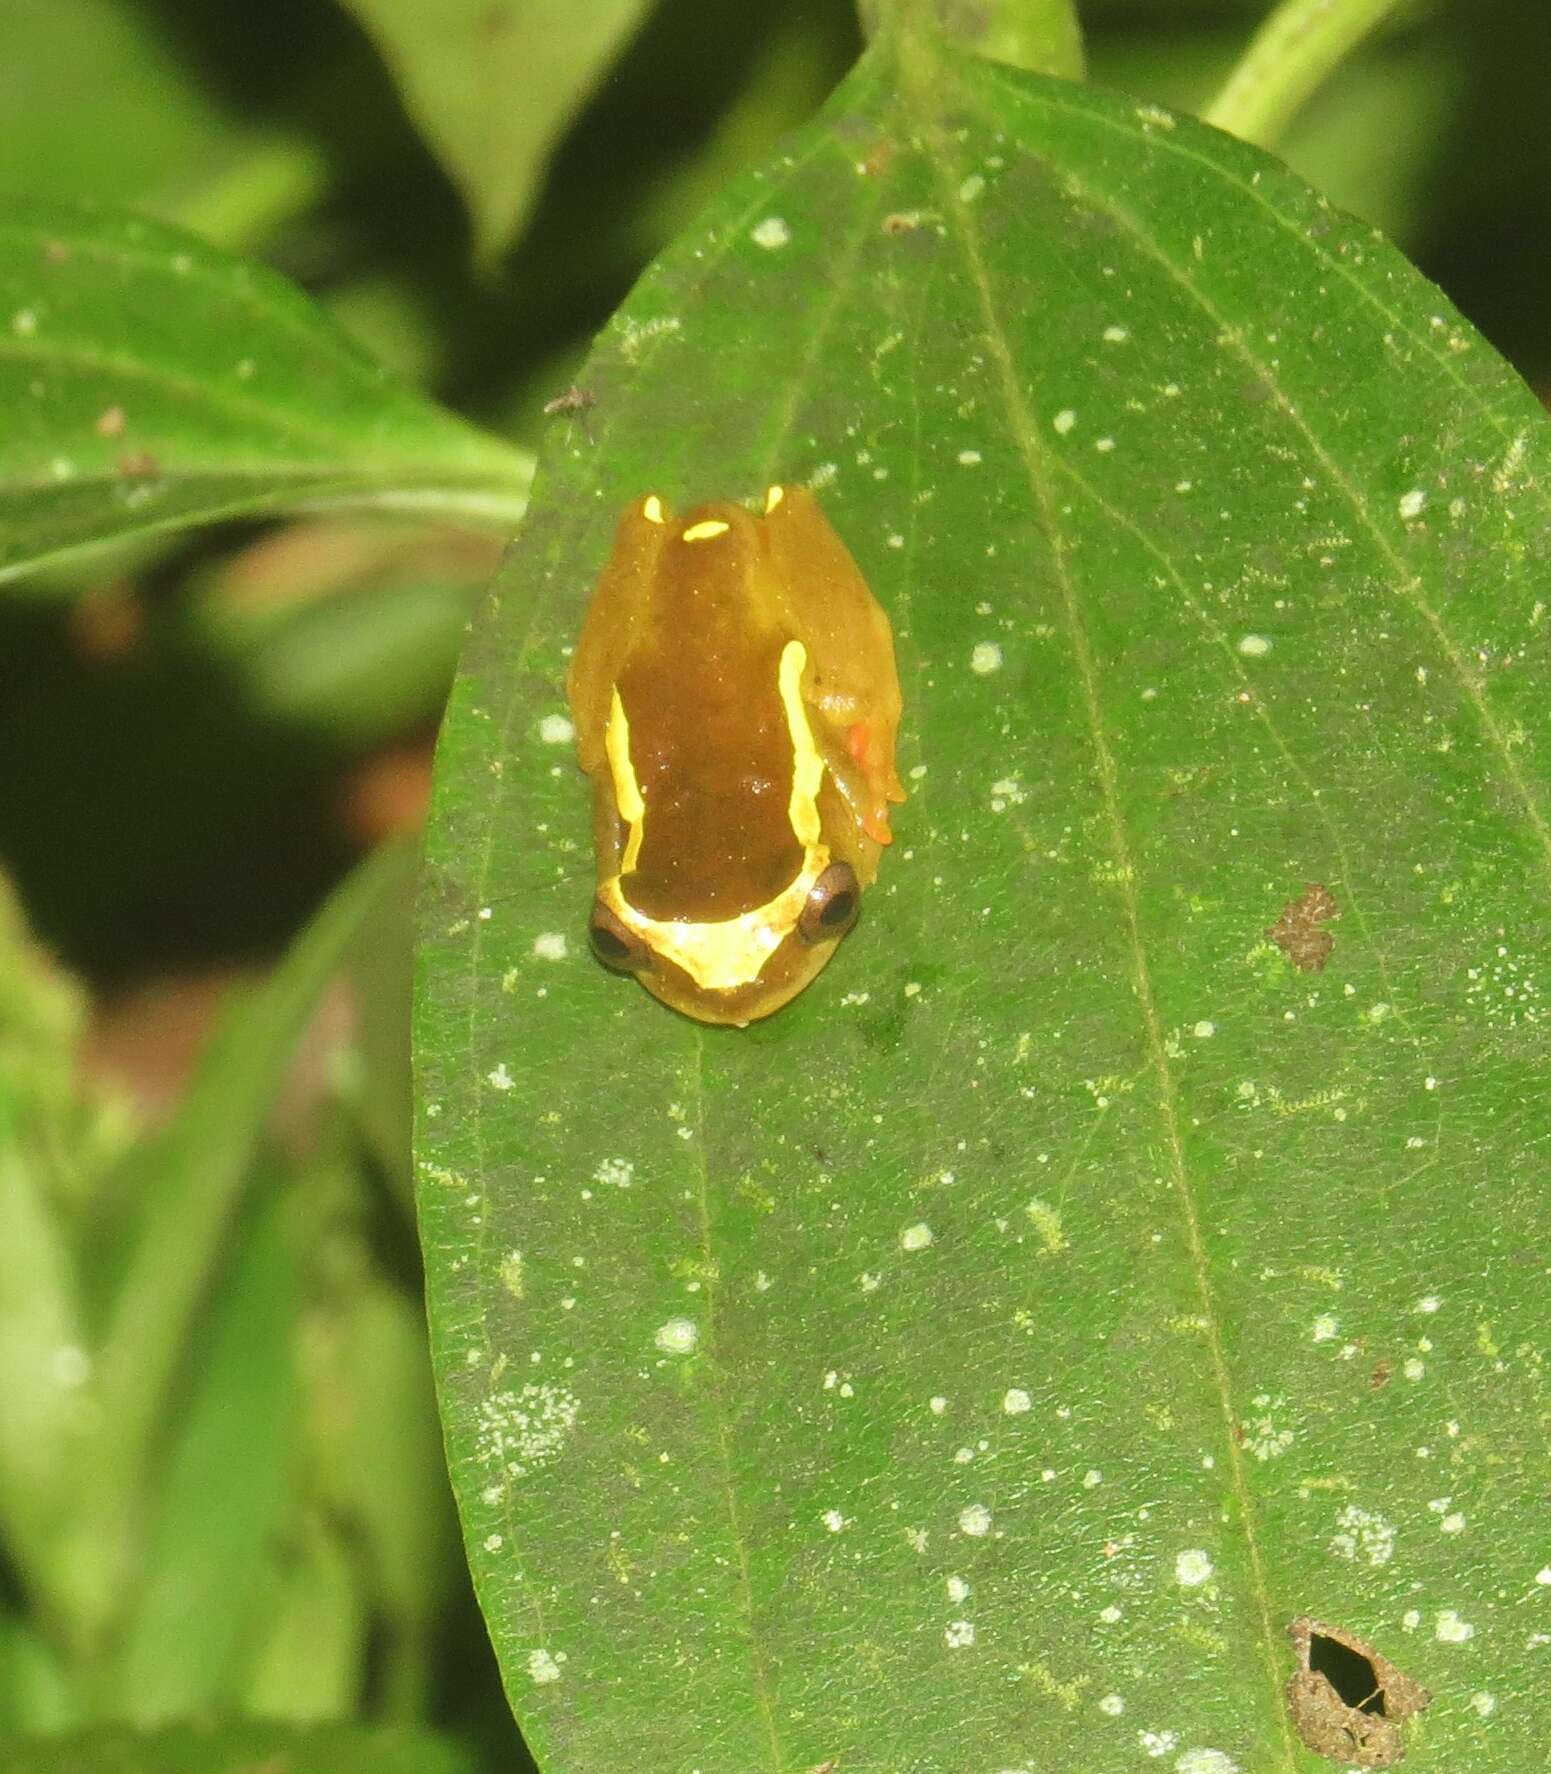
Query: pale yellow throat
[[727, 953]]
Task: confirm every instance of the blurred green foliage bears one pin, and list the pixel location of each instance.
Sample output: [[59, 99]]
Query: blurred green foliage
[[201, 736]]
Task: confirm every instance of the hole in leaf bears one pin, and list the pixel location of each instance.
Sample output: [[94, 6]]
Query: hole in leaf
[[1348, 1701], [1350, 1673]]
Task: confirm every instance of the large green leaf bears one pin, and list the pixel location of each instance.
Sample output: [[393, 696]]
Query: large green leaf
[[149, 382], [493, 84], [1085, 1283]]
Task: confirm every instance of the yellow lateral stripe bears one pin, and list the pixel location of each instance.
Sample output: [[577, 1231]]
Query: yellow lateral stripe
[[773, 497], [807, 765], [651, 509]]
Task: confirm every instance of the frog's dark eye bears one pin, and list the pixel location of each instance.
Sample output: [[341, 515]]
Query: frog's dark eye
[[832, 905], [614, 943]]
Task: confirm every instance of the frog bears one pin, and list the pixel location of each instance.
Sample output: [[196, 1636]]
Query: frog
[[736, 705]]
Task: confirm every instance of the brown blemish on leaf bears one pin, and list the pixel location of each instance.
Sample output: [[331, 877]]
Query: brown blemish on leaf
[[138, 465], [55, 252], [1354, 1729], [110, 422], [903, 221], [878, 159], [1298, 934], [1379, 1378]]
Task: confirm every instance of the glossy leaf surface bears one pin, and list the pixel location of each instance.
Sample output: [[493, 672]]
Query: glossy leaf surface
[[150, 382], [1136, 1240]]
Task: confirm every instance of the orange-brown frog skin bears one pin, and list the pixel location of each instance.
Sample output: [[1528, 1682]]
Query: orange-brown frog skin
[[736, 703]]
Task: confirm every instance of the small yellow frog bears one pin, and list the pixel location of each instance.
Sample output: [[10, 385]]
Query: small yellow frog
[[735, 702]]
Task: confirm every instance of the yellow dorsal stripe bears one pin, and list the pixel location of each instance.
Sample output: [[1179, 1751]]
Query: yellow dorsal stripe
[[726, 953], [627, 791], [807, 765], [703, 532]]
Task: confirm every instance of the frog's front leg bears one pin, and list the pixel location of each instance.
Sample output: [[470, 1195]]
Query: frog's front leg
[[859, 754]]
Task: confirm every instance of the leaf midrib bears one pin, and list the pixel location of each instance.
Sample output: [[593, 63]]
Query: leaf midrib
[[922, 96], [250, 412], [1404, 582]]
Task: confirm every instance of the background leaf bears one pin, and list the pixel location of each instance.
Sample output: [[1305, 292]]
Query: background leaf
[[157, 137], [345, 628], [461, 63], [156, 383], [240, 1749], [1211, 536], [223, 1496]]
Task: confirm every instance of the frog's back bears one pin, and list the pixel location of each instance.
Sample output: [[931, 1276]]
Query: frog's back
[[709, 734]]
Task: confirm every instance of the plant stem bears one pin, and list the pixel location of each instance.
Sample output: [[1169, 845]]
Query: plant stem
[[1297, 47], [1040, 35]]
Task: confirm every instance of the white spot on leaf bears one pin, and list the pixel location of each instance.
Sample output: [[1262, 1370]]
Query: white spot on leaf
[[1192, 1568], [542, 1667], [521, 1431], [975, 1520], [1364, 1535], [677, 1337], [1206, 1761]]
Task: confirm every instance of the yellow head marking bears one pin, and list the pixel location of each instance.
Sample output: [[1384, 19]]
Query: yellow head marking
[[651, 509], [807, 765], [773, 497], [703, 532], [730, 953], [627, 791]]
